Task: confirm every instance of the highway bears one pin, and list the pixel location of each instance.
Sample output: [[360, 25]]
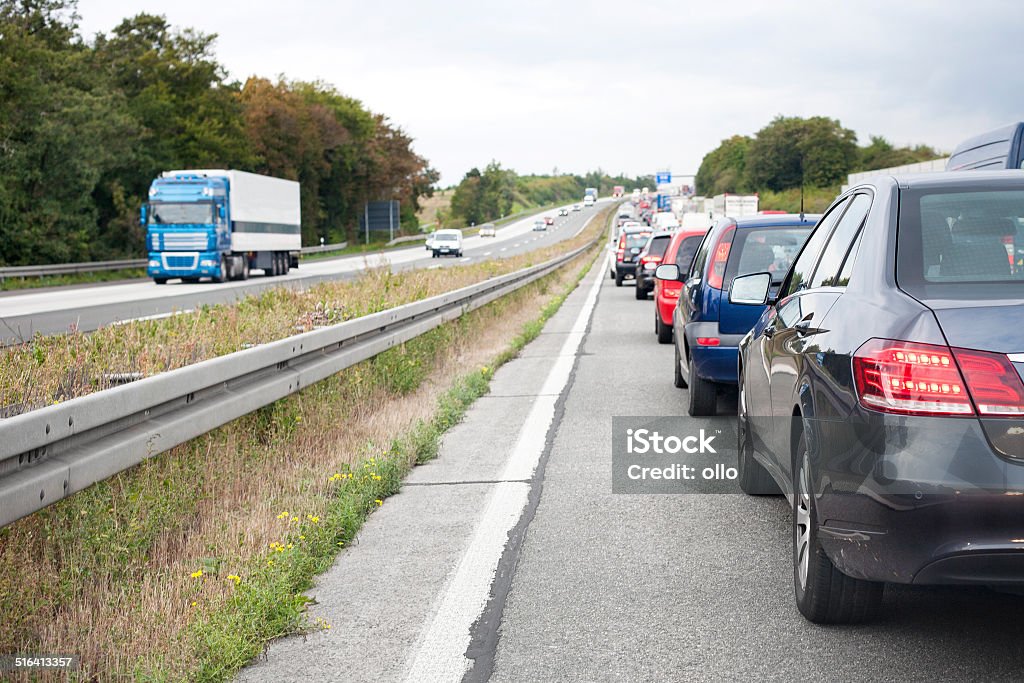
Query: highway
[[54, 310], [509, 558]]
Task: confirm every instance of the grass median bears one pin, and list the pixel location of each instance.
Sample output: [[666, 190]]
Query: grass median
[[51, 369], [184, 567]]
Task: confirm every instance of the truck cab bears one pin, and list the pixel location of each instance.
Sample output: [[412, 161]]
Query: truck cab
[[187, 228]]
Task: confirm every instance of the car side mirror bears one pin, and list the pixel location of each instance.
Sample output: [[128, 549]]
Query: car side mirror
[[750, 290], [669, 271]]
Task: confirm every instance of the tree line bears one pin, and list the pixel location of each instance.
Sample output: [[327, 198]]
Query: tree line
[[85, 125], [790, 152], [495, 192]]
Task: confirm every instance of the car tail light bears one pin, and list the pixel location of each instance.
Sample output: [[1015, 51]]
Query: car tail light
[[708, 341], [719, 258], [992, 382], [928, 379], [650, 259]]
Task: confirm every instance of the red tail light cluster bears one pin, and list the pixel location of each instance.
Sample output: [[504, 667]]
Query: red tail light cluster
[[928, 379], [719, 259]]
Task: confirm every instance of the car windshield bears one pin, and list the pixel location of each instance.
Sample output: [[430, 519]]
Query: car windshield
[[445, 238], [161, 213], [765, 250], [959, 239]]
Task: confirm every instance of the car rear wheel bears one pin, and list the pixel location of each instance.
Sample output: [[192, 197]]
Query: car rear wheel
[[160, 280], [640, 293], [663, 331], [703, 394], [677, 376], [618, 279], [824, 595], [753, 478]]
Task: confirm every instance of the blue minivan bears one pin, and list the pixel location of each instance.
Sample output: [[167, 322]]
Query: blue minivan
[[996, 149], [707, 327]]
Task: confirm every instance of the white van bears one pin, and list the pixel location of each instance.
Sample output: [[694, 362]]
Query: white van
[[666, 220], [588, 200], [446, 243]]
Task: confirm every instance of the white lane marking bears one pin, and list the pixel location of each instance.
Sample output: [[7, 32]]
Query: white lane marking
[[515, 245], [488, 253], [584, 227], [504, 249], [463, 260], [441, 651], [155, 316], [435, 267]]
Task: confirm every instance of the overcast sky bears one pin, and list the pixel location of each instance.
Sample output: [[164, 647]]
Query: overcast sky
[[540, 84]]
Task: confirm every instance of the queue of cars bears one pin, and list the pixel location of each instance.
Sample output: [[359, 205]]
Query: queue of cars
[[877, 355]]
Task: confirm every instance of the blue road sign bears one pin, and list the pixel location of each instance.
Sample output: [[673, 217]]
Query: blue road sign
[[663, 177]]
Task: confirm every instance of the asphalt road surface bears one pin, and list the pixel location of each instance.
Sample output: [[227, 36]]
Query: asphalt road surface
[[55, 310], [510, 559]]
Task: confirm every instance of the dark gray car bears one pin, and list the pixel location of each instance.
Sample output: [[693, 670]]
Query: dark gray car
[[881, 391]]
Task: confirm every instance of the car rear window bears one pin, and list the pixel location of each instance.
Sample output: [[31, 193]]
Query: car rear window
[[636, 239], [761, 250], [949, 242], [687, 250], [659, 245]]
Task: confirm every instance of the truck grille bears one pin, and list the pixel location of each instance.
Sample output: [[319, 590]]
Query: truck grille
[[185, 240], [180, 261]]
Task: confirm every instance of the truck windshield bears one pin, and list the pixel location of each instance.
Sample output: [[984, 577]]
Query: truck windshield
[[180, 214]]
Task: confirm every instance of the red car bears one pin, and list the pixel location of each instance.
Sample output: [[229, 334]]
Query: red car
[[680, 251], [549, 220]]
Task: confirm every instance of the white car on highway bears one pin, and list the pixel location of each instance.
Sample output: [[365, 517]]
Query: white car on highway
[[577, 207], [488, 230]]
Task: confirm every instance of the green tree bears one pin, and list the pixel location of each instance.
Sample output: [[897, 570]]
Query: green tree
[[61, 129], [791, 151], [724, 168]]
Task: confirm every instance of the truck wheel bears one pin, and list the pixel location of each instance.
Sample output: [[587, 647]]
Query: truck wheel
[[824, 595], [222, 276], [160, 280], [286, 263], [244, 275]]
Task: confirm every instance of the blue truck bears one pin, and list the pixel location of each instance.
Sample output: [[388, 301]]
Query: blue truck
[[221, 224]]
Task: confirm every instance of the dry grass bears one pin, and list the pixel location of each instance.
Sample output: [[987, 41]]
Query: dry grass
[[430, 206], [109, 573]]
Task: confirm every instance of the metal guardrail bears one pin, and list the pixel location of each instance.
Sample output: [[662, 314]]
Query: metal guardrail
[[68, 268], [53, 452], [97, 266]]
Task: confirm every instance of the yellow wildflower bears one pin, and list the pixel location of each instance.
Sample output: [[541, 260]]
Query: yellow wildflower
[[197, 574], [379, 502]]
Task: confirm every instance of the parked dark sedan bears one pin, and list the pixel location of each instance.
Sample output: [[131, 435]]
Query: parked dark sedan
[[881, 391]]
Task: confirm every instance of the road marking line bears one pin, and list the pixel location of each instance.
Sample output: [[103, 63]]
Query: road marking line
[[488, 253], [504, 249], [155, 316], [463, 260], [441, 651]]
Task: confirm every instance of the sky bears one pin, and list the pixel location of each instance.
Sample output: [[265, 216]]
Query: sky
[[577, 86]]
